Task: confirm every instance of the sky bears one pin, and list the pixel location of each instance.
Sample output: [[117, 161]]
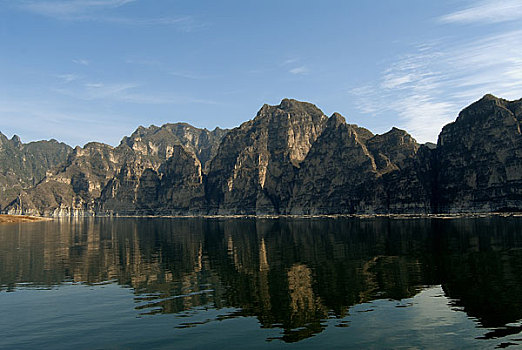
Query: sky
[[94, 70]]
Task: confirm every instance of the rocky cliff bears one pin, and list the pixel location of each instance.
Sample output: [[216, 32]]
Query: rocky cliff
[[291, 159], [256, 163], [479, 158], [101, 179], [22, 166]]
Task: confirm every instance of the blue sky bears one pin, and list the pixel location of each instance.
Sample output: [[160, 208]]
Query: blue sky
[[83, 70]]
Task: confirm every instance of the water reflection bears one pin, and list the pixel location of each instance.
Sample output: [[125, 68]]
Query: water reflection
[[289, 274]]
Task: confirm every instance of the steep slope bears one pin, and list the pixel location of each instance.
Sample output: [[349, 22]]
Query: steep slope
[[255, 165], [479, 158], [24, 165], [151, 154], [73, 187], [157, 142], [175, 188], [105, 180], [350, 170], [336, 172]]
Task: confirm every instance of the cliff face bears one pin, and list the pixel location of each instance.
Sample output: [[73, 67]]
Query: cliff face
[[174, 188], [100, 179], [350, 170], [479, 158], [256, 163], [23, 165], [289, 159], [157, 142], [338, 172]]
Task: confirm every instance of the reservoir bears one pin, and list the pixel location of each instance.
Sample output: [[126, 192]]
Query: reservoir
[[185, 283]]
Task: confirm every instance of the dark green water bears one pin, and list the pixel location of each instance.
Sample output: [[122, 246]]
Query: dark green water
[[195, 283]]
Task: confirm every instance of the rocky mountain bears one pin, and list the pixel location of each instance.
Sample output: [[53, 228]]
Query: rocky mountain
[[99, 178], [479, 158], [291, 159], [22, 166], [256, 163]]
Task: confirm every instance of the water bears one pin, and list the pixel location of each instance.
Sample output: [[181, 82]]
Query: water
[[268, 283]]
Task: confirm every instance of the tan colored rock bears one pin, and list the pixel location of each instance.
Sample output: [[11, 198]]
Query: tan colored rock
[[256, 163]]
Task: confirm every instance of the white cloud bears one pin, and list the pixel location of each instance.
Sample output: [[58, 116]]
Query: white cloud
[[82, 62], [290, 61], [61, 8], [489, 11], [191, 76], [299, 70], [427, 88], [68, 78], [127, 92], [95, 11]]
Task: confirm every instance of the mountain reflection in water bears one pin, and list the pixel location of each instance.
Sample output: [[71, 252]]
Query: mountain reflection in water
[[289, 274]]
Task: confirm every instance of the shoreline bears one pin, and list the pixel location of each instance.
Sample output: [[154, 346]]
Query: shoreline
[[27, 218], [14, 219], [331, 216]]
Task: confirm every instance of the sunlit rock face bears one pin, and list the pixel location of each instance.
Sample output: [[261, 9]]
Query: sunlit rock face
[[102, 180], [350, 170], [479, 158], [158, 142], [256, 163], [289, 159]]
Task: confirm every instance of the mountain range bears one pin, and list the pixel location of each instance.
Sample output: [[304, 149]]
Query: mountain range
[[289, 159]]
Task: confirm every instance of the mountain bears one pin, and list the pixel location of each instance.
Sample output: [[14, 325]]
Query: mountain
[[256, 163], [99, 178], [22, 166], [479, 158], [290, 159]]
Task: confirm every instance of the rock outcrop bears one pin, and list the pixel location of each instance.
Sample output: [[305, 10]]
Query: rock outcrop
[[350, 170], [256, 163], [22, 166], [479, 158], [99, 179], [289, 159]]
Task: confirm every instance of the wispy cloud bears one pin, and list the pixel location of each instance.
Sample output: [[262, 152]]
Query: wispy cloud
[[290, 61], [101, 11], [39, 120], [68, 78], [127, 92], [183, 24], [67, 8], [428, 87], [301, 70], [190, 76], [489, 11], [82, 62], [119, 92]]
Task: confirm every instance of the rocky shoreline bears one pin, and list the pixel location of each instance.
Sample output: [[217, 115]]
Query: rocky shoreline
[[288, 216], [11, 219]]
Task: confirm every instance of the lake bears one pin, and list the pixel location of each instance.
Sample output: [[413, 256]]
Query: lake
[[160, 283]]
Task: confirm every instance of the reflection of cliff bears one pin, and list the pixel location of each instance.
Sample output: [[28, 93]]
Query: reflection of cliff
[[307, 310], [481, 269], [292, 274]]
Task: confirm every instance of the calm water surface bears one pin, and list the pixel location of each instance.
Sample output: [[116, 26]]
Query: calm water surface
[[270, 283]]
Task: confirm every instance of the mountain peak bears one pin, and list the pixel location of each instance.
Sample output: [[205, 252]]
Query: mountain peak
[[490, 97], [294, 106], [16, 139], [335, 120]]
